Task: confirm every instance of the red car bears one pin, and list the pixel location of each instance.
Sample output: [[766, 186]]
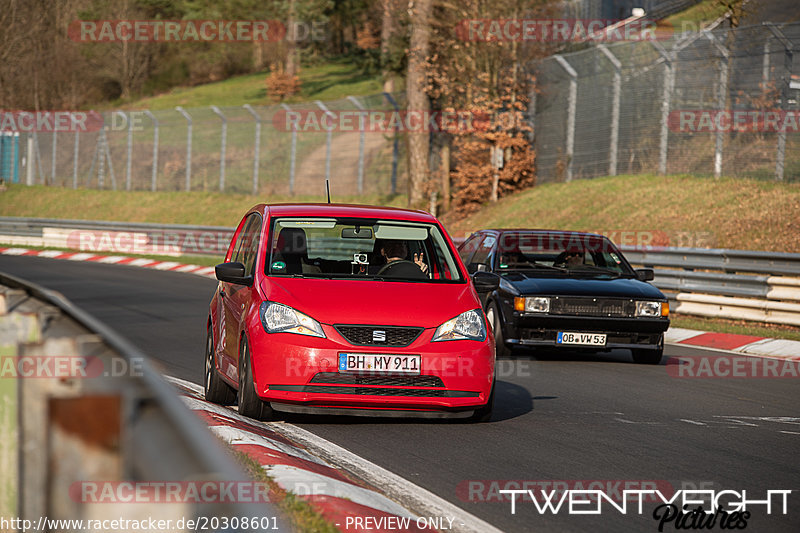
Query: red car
[[340, 309]]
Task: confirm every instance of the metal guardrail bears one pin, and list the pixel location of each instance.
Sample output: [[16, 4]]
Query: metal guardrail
[[110, 419], [736, 284]]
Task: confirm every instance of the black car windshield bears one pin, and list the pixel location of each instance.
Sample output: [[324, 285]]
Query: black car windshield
[[345, 248], [565, 253]]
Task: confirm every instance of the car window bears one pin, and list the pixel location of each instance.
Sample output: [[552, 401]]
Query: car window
[[237, 243], [385, 250], [483, 253], [468, 248], [248, 248]]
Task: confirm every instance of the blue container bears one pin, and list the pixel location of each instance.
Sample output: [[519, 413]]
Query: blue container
[[9, 156]]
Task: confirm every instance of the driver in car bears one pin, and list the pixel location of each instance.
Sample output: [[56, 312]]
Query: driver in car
[[395, 252]]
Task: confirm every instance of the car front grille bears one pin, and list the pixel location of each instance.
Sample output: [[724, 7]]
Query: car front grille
[[609, 307], [378, 335], [375, 391], [384, 381]]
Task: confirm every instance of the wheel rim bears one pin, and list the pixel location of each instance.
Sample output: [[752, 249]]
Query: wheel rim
[[209, 362]]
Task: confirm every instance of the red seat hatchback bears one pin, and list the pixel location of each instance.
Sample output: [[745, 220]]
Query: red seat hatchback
[[344, 309]]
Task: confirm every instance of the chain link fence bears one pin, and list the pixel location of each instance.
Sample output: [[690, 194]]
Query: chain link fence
[[250, 150], [716, 102]]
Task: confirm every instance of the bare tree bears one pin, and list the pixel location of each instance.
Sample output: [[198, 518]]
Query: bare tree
[[416, 80]]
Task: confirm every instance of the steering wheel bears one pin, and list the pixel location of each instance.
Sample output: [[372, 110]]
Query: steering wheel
[[395, 265]]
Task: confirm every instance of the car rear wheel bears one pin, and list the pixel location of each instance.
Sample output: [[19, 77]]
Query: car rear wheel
[[215, 389], [493, 317], [647, 357], [483, 414], [250, 404]]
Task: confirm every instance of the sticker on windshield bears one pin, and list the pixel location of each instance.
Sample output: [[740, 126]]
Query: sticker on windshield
[[278, 266], [615, 257]]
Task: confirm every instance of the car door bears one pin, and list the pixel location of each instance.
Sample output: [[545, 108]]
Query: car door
[[481, 261], [236, 297]]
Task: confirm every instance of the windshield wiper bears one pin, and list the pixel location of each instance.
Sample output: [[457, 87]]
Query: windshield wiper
[[593, 269], [534, 265]]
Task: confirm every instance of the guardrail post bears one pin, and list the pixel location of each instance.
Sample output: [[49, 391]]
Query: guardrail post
[[616, 94], [293, 152], [362, 127], [395, 145], [256, 147], [788, 49], [222, 146], [721, 99], [328, 138], [571, 106], [152, 117], [188, 117]]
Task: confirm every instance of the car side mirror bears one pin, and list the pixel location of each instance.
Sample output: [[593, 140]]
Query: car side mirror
[[645, 274], [233, 272], [485, 281]]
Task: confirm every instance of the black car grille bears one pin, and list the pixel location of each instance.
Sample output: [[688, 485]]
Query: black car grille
[[384, 381], [374, 391], [609, 307], [364, 335]]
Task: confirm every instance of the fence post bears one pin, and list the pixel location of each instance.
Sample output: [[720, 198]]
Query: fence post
[[788, 51], [256, 147], [188, 117], [395, 146], [75, 159], [328, 138], [53, 158], [107, 155], [222, 146], [128, 160], [571, 105], [616, 94], [362, 127], [30, 161], [666, 97], [293, 152], [722, 97], [153, 118]]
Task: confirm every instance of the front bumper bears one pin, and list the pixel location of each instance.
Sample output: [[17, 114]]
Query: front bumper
[[300, 374], [630, 333]]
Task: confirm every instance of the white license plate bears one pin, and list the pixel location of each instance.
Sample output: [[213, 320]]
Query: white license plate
[[376, 362], [582, 339]]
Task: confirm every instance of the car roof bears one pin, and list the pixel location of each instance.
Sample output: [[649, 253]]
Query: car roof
[[345, 210], [541, 231]]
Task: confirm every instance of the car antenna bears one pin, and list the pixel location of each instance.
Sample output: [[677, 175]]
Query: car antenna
[[328, 189]]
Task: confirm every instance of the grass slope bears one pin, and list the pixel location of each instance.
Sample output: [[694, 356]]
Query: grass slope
[[329, 81], [722, 213]]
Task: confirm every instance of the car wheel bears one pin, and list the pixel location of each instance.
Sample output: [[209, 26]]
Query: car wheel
[[483, 414], [250, 404], [647, 357], [215, 389], [493, 317]]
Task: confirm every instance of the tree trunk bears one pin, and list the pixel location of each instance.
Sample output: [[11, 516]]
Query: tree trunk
[[445, 170], [387, 28], [291, 42], [418, 144]]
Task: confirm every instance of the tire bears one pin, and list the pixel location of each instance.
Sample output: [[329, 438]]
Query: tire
[[647, 357], [493, 317], [216, 390], [483, 414], [250, 405]]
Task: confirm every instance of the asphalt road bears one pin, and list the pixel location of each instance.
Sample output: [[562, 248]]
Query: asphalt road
[[572, 419]]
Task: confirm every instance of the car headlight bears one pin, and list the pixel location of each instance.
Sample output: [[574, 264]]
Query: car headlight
[[652, 309], [532, 304], [279, 318], [468, 325]]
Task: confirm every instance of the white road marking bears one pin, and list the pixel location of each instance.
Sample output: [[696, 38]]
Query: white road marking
[[240, 436], [692, 422]]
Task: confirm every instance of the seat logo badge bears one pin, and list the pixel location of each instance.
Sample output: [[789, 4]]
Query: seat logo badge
[[378, 336]]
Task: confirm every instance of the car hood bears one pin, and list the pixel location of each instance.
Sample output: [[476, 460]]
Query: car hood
[[619, 287], [329, 301]]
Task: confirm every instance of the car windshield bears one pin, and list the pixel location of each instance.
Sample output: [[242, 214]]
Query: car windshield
[[567, 253], [367, 249]]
